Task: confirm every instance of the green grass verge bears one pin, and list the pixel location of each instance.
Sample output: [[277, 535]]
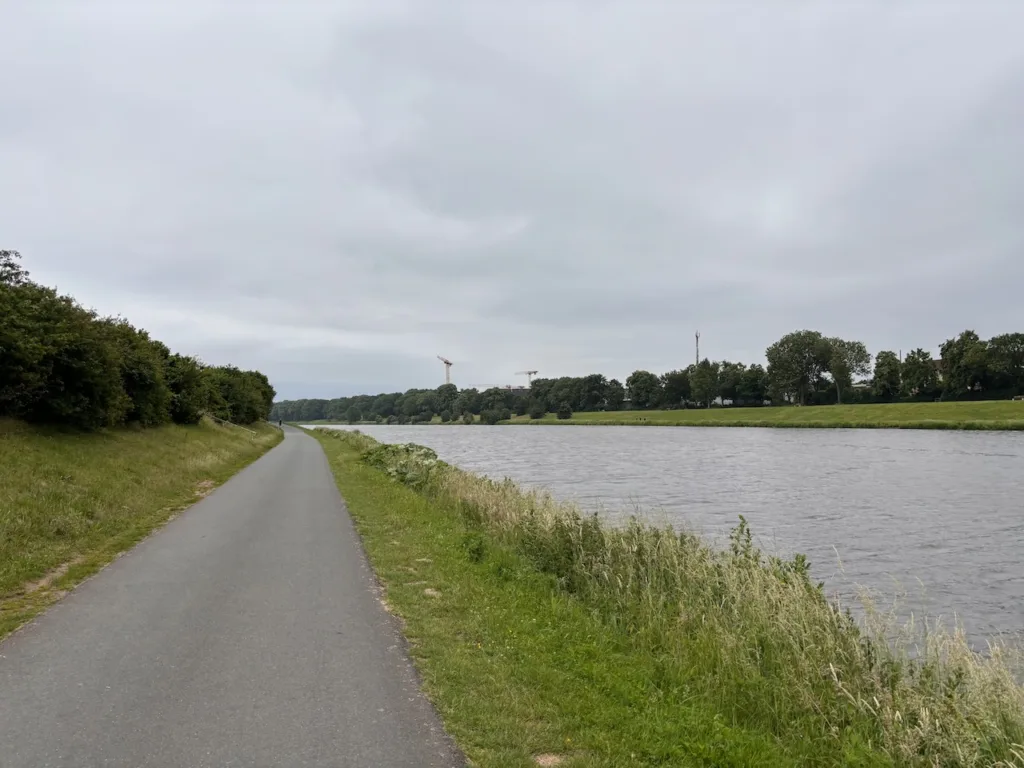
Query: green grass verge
[[986, 415], [71, 501], [538, 632]]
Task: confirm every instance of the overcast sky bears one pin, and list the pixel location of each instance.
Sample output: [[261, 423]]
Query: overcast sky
[[336, 192]]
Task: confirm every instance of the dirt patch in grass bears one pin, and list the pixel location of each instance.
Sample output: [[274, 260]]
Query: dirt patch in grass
[[47, 581], [204, 488], [549, 759]]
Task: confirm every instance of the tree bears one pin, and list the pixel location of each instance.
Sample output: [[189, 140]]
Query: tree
[[704, 382], [729, 376], [468, 401], [846, 359], [615, 395], [384, 405], [353, 416], [888, 380], [920, 377], [675, 387], [536, 409], [467, 418], [522, 404], [496, 398], [142, 364], [446, 416], [796, 361], [490, 416], [1006, 362], [11, 272], [564, 411], [965, 365], [446, 395], [644, 389], [189, 389], [593, 391], [753, 386]]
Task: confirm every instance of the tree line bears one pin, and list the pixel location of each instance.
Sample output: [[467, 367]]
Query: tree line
[[804, 367], [61, 363]]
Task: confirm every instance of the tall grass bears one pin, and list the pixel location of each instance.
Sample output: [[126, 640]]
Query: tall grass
[[750, 636]]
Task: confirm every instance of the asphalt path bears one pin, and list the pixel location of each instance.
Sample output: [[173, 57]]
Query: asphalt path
[[247, 632]]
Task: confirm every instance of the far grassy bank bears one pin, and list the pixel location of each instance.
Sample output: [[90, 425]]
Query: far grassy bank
[[986, 415], [545, 638], [71, 501]]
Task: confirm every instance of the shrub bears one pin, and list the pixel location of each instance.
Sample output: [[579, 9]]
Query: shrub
[[467, 418], [490, 416], [62, 364], [564, 411], [446, 417], [189, 389], [537, 410]]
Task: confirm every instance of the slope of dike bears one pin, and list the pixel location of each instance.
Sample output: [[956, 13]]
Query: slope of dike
[[545, 637], [70, 501]]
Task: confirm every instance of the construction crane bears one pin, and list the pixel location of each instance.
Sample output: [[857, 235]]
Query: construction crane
[[447, 369], [528, 374]]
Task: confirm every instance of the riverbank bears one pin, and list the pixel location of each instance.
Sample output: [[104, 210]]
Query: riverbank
[[985, 415], [71, 501], [539, 632], [995, 415]]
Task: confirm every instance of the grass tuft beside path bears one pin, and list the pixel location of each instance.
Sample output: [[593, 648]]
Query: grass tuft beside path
[[989, 414], [71, 501], [540, 633]]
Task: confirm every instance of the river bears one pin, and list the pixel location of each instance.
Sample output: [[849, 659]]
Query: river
[[935, 516]]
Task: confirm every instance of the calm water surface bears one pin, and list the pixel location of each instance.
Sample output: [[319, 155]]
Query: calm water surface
[[937, 516]]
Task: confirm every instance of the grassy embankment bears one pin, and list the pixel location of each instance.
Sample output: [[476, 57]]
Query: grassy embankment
[[990, 414], [543, 636], [71, 501]]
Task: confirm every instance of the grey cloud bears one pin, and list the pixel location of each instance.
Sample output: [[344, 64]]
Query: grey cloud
[[336, 192]]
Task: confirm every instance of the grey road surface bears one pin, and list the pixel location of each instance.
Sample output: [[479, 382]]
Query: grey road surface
[[245, 633]]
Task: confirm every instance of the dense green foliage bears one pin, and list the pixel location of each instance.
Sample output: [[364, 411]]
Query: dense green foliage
[[63, 364], [804, 367]]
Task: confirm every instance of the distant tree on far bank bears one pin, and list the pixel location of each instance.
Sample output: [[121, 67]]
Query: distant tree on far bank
[[803, 367], [644, 389], [564, 411], [675, 389], [704, 382], [846, 359], [490, 416], [796, 362], [753, 386], [888, 380], [615, 395]]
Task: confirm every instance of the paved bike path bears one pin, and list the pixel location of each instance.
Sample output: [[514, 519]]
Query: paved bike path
[[245, 633]]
